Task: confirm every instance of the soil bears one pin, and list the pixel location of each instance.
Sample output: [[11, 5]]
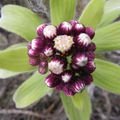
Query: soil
[[106, 106]]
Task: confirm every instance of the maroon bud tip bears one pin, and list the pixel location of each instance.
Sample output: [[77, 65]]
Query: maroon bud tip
[[64, 28], [33, 53], [90, 31], [91, 47], [48, 50], [42, 70], [90, 67], [34, 61], [88, 79], [73, 22], [52, 80]]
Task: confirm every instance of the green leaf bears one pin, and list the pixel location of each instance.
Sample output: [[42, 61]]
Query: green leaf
[[93, 13], [76, 108], [107, 76], [31, 91], [15, 59], [20, 20], [108, 38], [62, 10], [112, 12]]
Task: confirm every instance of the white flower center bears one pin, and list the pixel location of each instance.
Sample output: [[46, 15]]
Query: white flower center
[[63, 43], [82, 61], [66, 78]]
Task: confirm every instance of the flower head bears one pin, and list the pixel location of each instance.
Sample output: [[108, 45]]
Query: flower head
[[67, 52]]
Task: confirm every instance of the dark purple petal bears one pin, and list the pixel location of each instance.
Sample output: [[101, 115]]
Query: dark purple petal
[[43, 64], [52, 80], [91, 47], [88, 79], [90, 67], [90, 55], [90, 31], [33, 61], [64, 28], [40, 29], [79, 59]]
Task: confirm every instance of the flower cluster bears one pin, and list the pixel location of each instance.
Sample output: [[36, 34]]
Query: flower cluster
[[67, 51]]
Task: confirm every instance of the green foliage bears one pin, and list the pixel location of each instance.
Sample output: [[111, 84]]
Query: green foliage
[[20, 20], [62, 10], [93, 13], [31, 91], [111, 12], [15, 59], [108, 38], [77, 107], [107, 76]]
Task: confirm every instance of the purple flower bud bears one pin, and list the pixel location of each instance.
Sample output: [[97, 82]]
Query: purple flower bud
[[52, 80], [74, 67], [88, 79], [78, 85], [91, 47], [64, 28], [50, 32], [78, 28], [37, 44], [34, 61], [33, 53], [90, 55], [82, 40], [66, 76], [57, 65], [42, 70], [43, 64], [48, 50], [68, 90], [29, 46], [79, 59], [40, 29], [90, 67], [90, 31], [73, 22]]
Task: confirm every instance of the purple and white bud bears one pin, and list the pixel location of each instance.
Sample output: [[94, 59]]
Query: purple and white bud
[[73, 22], [66, 76], [64, 28], [42, 70], [50, 32], [74, 67], [78, 85], [52, 80], [57, 65], [68, 90], [43, 64], [33, 61], [48, 50], [80, 59], [40, 29], [90, 67], [90, 31], [91, 47], [63, 43], [78, 29], [88, 79], [82, 40], [33, 53], [37, 44]]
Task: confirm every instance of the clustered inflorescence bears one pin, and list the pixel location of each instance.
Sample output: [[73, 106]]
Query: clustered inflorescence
[[67, 51]]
